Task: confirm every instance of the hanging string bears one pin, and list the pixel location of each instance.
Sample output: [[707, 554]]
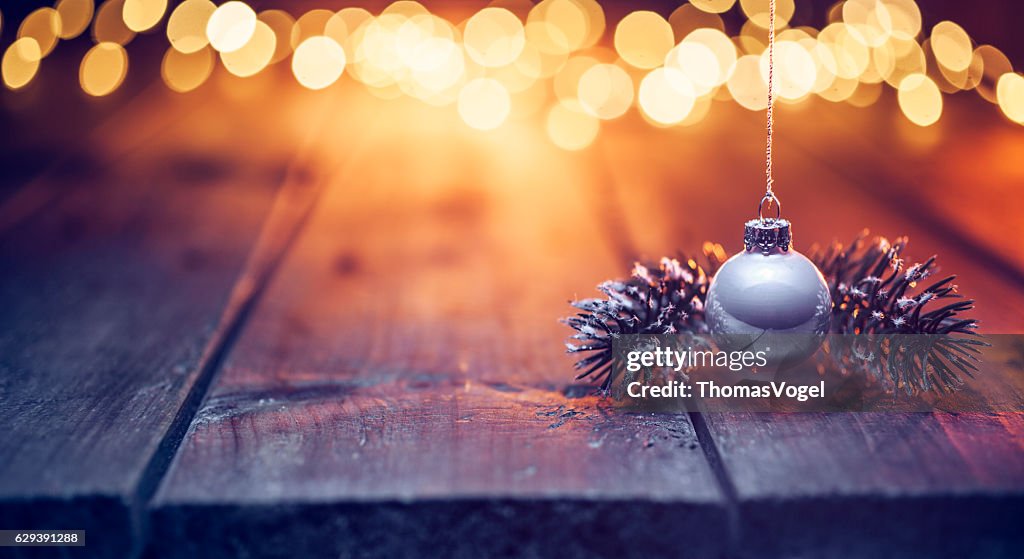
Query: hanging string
[[769, 194]]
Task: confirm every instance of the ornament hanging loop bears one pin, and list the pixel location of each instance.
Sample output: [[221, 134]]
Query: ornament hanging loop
[[773, 201]]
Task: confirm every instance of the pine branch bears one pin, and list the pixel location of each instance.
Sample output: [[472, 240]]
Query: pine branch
[[928, 345]]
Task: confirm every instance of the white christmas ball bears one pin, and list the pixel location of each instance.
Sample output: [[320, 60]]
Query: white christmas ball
[[769, 298]]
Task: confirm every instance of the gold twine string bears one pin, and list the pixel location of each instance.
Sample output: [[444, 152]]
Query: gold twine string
[[769, 193]]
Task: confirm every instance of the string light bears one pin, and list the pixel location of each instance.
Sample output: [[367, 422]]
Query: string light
[[516, 58]]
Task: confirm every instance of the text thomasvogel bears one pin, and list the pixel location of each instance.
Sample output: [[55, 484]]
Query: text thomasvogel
[[734, 360]]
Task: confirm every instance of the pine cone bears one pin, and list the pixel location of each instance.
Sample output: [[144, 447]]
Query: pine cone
[[663, 298]]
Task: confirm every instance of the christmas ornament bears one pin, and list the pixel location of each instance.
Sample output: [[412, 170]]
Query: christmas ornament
[[873, 294], [769, 296]]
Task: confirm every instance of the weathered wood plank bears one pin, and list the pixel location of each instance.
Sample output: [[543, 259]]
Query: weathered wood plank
[[835, 484], [401, 389], [115, 299]]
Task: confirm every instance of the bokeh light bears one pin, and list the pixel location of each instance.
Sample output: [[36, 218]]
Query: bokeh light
[[254, 56], [904, 18], [103, 69], [75, 16], [920, 99], [795, 72], [142, 15], [318, 62], [746, 84], [605, 91], [643, 39], [186, 27], [281, 23], [494, 37], [995, 65], [1010, 93], [757, 12], [666, 96], [183, 72], [566, 82], [713, 6], [109, 26], [951, 45], [44, 26], [311, 24], [20, 62], [231, 26], [506, 60]]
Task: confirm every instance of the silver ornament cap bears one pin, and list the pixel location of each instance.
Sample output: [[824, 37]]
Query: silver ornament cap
[[767, 234]]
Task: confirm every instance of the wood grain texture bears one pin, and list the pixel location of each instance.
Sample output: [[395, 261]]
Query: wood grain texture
[[114, 298], [401, 390], [855, 484]]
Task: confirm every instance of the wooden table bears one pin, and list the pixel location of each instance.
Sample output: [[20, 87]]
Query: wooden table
[[330, 329]]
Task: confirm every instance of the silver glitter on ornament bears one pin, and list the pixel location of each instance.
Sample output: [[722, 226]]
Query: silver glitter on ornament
[[769, 298]]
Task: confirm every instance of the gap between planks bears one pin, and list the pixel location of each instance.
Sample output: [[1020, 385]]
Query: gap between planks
[[619, 237], [293, 205]]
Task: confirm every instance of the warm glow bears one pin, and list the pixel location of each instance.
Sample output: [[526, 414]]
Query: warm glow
[[231, 26], [44, 26], [920, 99], [103, 69], [186, 28], [318, 62], [1010, 92], [184, 72], [484, 104], [605, 91], [643, 39], [666, 96], [569, 129], [254, 56], [951, 45], [20, 62], [494, 37], [142, 15], [521, 52], [75, 16]]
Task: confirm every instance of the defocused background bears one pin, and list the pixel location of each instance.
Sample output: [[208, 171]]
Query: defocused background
[[657, 106]]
